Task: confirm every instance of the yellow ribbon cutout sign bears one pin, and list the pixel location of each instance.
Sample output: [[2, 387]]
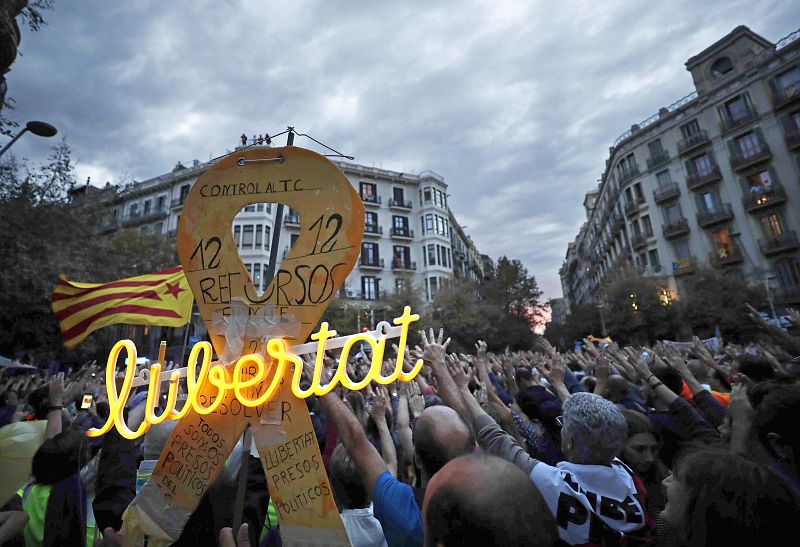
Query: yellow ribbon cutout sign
[[252, 386]]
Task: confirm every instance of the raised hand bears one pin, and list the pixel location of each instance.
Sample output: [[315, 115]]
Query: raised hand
[[602, 368], [377, 409], [416, 402], [435, 349], [56, 389], [480, 349], [638, 364], [456, 372]]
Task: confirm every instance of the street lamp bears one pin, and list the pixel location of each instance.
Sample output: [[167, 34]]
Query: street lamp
[[41, 129]]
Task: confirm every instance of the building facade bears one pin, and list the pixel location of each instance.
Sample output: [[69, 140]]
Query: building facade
[[411, 237], [711, 181]]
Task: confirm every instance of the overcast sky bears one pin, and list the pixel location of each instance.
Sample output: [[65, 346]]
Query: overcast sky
[[514, 103]]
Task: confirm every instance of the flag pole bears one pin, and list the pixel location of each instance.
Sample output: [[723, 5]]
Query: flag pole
[[247, 438]]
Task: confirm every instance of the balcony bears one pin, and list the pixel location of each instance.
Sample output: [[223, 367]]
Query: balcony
[[373, 230], [374, 201], [666, 192], [710, 217], [693, 142], [618, 220], [375, 264], [723, 258], [292, 220], [631, 208], [751, 157], [402, 233], [400, 204], [109, 225], [658, 159], [627, 175], [793, 138], [729, 123], [177, 202], [143, 216], [760, 201], [698, 179], [778, 244], [684, 266], [640, 240], [786, 96], [405, 265], [675, 229]]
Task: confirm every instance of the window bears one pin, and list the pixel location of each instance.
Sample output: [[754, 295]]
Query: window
[[655, 147], [748, 144], [429, 223], [257, 277], [369, 191], [772, 225], [427, 195], [369, 288], [681, 249], [397, 195], [787, 272], [438, 198], [655, 261], [647, 227], [371, 221], [184, 193], [635, 228], [369, 253], [237, 236], [431, 255], [259, 236], [709, 201], [400, 284], [247, 236], [160, 203], [637, 190], [259, 207], [434, 286], [267, 238], [133, 211], [789, 80], [759, 183], [402, 255], [641, 260], [736, 109], [690, 129], [700, 165], [250, 209], [400, 224], [723, 243], [663, 178], [449, 259], [720, 67]]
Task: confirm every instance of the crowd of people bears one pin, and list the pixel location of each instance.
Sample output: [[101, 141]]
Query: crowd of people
[[607, 445]]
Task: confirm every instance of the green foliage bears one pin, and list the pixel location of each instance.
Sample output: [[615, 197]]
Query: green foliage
[[710, 299], [45, 236], [502, 310], [634, 314]]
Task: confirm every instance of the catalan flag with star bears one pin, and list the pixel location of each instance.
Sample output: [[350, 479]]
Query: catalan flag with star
[[162, 298]]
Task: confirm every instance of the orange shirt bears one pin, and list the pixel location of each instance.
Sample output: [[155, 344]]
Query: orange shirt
[[722, 398]]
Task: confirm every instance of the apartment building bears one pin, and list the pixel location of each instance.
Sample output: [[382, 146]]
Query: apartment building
[[713, 180], [411, 235]]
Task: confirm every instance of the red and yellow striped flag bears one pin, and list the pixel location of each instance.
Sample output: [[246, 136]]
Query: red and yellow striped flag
[[161, 298]]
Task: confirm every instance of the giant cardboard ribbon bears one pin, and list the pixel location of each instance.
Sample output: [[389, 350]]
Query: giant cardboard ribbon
[[332, 226]]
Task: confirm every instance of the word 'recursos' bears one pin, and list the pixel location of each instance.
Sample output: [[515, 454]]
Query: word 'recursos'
[[248, 372]]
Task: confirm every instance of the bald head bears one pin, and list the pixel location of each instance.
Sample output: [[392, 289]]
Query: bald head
[[616, 388], [468, 503], [439, 436]]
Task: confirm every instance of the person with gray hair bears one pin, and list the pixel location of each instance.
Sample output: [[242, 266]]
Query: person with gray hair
[[592, 495]]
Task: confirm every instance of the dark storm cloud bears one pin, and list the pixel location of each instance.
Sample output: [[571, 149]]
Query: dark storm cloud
[[514, 103]]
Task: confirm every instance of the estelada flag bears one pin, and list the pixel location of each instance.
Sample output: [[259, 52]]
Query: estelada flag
[[162, 298]]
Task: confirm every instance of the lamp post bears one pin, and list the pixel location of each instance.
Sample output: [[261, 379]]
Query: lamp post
[[41, 129], [600, 307]]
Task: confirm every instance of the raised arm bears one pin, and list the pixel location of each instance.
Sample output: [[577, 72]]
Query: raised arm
[[434, 354], [378, 413]]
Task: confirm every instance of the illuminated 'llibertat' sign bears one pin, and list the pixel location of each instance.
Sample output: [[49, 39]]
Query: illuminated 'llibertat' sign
[[241, 383]]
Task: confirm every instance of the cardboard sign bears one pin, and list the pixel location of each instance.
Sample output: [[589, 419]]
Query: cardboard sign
[[240, 321]]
